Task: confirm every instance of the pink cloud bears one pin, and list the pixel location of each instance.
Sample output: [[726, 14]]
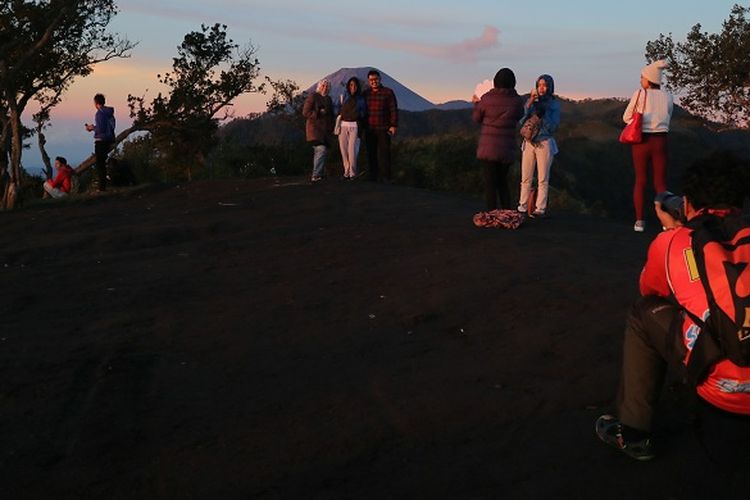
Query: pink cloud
[[465, 51], [470, 49]]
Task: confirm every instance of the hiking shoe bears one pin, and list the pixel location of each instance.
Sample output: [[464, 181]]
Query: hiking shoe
[[609, 430], [639, 226]]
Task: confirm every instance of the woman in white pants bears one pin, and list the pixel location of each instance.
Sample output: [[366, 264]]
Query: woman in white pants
[[353, 113], [538, 153]]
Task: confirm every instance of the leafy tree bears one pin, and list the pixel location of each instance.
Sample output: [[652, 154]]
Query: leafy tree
[[711, 71], [209, 72], [44, 46], [286, 98]]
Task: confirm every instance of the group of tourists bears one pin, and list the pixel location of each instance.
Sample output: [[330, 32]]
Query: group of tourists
[[371, 114], [699, 325], [673, 323], [501, 112]]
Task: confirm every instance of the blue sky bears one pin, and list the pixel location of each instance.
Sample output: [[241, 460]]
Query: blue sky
[[439, 49]]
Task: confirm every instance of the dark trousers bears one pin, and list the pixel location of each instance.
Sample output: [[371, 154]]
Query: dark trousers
[[652, 342], [378, 154], [101, 150], [495, 175]]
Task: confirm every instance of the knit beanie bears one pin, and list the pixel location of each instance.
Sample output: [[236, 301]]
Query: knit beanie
[[653, 71], [504, 79]]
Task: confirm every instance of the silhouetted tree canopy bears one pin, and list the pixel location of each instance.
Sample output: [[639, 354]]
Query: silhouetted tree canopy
[[208, 74], [710, 71]]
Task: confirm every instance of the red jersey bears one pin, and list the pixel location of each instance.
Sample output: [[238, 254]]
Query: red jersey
[[670, 269], [62, 179]]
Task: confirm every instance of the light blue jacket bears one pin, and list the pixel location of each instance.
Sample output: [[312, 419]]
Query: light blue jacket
[[551, 117], [550, 120]]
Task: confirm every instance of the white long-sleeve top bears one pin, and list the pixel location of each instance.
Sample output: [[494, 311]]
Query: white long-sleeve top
[[656, 114]]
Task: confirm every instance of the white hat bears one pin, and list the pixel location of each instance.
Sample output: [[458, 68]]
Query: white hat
[[653, 71]]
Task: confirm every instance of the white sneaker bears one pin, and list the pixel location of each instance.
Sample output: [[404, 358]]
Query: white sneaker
[[639, 226]]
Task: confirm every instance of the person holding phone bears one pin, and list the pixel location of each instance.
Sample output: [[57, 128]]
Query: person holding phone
[[104, 137], [538, 153]]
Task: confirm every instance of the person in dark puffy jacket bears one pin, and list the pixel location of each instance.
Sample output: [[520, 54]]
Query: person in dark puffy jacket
[[498, 111]]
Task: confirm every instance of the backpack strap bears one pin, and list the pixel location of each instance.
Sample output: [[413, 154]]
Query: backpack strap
[[707, 349], [703, 354]]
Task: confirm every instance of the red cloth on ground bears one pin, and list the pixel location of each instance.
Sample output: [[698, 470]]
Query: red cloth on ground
[[508, 219]]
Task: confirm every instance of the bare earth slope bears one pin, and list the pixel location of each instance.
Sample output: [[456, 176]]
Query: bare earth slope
[[268, 339]]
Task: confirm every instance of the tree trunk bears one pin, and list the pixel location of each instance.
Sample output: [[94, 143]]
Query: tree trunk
[[91, 160], [42, 141], [11, 194]]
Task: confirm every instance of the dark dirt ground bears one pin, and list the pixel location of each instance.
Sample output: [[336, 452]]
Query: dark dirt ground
[[269, 339]]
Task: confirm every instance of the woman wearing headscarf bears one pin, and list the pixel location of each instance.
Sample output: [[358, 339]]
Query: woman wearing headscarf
[[539, 152], [318, 111], [498, 111], [353, 113], [656, 105]]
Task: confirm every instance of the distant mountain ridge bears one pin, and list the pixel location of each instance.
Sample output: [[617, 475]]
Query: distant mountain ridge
[[407, 99]]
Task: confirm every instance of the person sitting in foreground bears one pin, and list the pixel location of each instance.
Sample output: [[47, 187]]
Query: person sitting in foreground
[[667, 325], [60, 185]]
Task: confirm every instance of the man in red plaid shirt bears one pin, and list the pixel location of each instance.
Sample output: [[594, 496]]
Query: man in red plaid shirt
[[382, 121]]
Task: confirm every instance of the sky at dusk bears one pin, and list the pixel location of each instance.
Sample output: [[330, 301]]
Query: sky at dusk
[[439, 49]]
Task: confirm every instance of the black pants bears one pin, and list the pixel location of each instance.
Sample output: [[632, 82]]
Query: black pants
[[378, 154], [652, 343], [496, 184], [101, 150]]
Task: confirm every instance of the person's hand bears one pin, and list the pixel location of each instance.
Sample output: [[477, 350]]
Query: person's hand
[[89, 127], [474, 99], [391, 130], [667, 221]]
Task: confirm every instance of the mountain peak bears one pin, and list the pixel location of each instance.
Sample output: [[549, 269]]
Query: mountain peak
[[408, 100]]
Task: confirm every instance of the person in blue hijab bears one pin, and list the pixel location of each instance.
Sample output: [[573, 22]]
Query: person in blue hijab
[[539, 151]]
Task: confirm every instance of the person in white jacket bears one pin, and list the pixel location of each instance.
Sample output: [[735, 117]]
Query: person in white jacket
[[656, 105]]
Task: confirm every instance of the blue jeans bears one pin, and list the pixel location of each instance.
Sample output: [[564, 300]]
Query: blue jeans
[[320, 153]]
